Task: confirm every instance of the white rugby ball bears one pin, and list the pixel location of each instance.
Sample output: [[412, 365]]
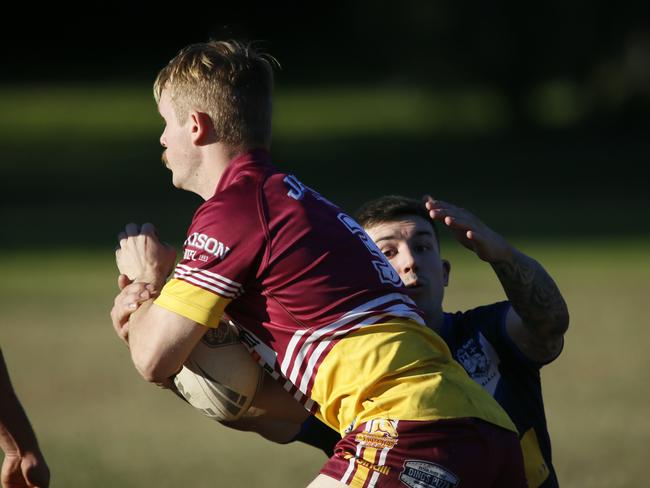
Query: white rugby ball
[[220, 378]]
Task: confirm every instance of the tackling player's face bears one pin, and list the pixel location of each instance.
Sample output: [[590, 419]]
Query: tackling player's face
[[411, 247], [177, 143]]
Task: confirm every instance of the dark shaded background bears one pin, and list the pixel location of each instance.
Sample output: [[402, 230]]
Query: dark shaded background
[[586, 176]]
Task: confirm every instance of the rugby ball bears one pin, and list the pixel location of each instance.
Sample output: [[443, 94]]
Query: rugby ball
[[220, 378]]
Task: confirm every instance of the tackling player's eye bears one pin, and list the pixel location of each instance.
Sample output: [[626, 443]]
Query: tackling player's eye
[[389, 252]]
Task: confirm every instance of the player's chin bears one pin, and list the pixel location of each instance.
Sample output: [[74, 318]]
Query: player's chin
[[177, 182], [419, 292], [415, 290]]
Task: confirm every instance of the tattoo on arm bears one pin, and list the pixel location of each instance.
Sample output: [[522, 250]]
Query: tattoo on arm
[[533, 295]]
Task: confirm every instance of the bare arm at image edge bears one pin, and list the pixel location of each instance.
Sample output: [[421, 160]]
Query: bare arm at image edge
[[23, 465]]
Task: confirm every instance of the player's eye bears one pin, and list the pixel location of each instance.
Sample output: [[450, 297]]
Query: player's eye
[[389, 253]]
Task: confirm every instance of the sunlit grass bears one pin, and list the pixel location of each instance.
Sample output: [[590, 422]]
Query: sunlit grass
[[101, 425]]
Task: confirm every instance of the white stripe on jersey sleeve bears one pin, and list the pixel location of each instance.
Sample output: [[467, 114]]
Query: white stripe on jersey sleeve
[[214, 275], [206, 280], [202, 284]]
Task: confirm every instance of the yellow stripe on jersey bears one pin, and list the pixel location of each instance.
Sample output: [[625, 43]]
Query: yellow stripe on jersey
[[193, 302], [536, 468], [398, 370], [363, 467]]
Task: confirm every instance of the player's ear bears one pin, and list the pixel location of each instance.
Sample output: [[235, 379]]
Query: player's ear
[[446, 269], [201, 127]]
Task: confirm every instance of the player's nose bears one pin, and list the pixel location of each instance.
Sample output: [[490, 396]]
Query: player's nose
[[408, 263]]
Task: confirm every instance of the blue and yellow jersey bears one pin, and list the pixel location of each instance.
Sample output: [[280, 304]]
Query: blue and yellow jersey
[[478, 340]]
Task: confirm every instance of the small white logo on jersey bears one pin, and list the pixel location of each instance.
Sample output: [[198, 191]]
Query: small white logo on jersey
[[205, 243], [481, 362], [423, 474]]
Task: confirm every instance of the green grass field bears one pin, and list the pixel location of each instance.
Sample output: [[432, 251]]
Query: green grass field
[[101, 425], [79, 161]]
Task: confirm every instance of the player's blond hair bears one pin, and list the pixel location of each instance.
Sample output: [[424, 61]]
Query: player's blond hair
[[228, 80]]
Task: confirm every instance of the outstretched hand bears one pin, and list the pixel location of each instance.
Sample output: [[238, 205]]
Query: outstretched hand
[[469, 230], [141, 256]]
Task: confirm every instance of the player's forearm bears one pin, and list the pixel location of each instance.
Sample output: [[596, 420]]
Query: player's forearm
[[160, 341], [533, 294], [148, 352], [16, 433], [274, 430]]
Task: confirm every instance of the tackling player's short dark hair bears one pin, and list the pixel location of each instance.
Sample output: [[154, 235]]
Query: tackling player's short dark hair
[[390, 208]]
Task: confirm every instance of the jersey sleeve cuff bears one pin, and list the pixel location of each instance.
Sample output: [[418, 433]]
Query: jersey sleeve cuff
[[194, 303]]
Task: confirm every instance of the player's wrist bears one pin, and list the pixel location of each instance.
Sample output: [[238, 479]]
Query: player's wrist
[[503, 252], [154, 280]]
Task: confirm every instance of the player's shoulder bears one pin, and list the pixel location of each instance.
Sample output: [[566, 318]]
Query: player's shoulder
[[225, 220], [488, 320], [239, 199], [478, 317]]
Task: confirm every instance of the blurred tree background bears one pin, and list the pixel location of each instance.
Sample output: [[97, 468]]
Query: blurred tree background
[[534, 117]]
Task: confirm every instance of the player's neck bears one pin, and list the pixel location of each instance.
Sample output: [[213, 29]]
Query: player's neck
[[216, 159], [434, 317]]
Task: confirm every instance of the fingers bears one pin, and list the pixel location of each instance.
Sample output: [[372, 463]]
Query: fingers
[[123, 281], [455, 222], [136, 293], [132, 229], [119, 314], [128, 241], [149, 229], [141, 255], [127, 302], [121, 240], [450, 215], [122, 331], [38, 474], [129, 299], [117, 319], [438, 209]]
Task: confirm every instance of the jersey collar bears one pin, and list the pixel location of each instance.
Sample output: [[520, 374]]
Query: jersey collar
[[253, 158]]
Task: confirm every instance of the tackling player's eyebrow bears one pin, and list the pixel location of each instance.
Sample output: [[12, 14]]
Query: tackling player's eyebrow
[[391, 237]]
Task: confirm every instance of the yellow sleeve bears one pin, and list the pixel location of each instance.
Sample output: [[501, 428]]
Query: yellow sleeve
[[193, 302]]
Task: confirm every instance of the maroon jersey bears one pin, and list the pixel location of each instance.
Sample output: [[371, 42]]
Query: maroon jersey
[[293, 271], [316, 302]]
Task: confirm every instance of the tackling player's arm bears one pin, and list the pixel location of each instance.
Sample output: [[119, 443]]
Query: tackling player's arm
[[539, 316], [274, 414]]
